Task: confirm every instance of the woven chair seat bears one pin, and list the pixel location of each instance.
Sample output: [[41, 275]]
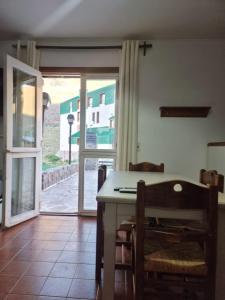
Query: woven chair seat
[[182, 224], [132, 221], [177, 258]]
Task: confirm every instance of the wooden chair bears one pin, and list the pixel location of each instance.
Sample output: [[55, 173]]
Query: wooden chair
[[102, 171], [170, 262], [126, 226], [146, 167], [124, 265], [211, 177]]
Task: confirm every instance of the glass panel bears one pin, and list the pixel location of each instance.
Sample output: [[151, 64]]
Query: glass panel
[[64, 92], [100, 114], [24, 109], [23, 185], [91, 179], [58, 177]]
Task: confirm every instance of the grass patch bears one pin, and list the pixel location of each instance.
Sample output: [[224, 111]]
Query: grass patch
[[52, 161]]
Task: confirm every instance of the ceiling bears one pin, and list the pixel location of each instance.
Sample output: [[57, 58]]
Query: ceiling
[[139, 19]]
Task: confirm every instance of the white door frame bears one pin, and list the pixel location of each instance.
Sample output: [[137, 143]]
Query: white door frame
[[11, 152], [92, 153]]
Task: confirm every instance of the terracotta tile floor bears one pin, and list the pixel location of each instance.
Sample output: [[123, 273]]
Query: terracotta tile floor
[[53, 258]]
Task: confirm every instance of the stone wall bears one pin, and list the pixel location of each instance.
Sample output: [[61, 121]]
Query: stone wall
[[56, 175], [51, 131]]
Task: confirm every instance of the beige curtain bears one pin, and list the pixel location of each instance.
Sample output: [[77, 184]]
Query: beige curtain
[[29, 55], [128, 106]]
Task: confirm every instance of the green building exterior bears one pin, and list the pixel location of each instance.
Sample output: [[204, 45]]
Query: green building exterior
[[100, 103]]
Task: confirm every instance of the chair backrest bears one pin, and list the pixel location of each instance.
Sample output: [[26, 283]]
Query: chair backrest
[[102, 171], [146, 167], [211, 177], [177, 195]]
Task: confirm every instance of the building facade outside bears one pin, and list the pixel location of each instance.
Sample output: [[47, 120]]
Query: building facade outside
[[100, 121]]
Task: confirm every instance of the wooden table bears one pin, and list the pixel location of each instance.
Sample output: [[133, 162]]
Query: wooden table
[[120, 206]]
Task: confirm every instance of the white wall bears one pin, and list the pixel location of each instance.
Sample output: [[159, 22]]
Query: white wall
[[80, 58], [1, 145], [6, 48], [176, 73], [216, 159]]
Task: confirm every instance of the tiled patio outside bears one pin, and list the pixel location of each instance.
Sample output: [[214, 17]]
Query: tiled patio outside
[[53, 257], [63, 197]]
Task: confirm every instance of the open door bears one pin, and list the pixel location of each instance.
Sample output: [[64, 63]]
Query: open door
[[23, 133]]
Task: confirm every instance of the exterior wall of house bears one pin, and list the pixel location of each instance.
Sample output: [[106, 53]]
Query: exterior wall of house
[[98, 115]]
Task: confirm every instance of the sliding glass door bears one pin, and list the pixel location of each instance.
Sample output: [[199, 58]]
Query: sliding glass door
[[97, 134]]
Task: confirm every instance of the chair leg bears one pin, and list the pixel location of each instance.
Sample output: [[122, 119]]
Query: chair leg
[[128, 234], [99, 243], [98, 266], [187, 295], [209, 293], [138, 288]]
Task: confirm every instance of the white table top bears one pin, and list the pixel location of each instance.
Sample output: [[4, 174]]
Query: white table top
[[130, 179]]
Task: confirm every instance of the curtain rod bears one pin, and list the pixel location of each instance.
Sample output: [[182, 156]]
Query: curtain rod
[[145, 46]]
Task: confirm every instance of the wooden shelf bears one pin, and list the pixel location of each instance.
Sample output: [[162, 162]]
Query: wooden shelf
[[184, 111], [217, 144]]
